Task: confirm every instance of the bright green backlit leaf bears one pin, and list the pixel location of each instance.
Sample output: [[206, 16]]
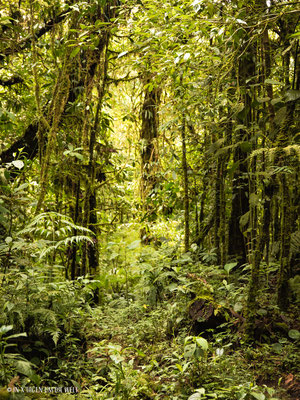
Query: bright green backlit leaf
[[134, 245], [201, 342], [228, 267], [5, 329], [8, 240], [18, 164], [75, 51], [258, 396], [186, 56]]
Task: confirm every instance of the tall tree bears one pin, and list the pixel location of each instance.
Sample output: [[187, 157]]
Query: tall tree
[[149, 151]]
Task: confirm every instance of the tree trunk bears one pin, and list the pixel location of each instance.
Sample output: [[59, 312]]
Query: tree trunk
[[285, 241], [255, 256], [75, 269], [239, 207], [149, 154], [185, 188], [218, 184], [284, 138]]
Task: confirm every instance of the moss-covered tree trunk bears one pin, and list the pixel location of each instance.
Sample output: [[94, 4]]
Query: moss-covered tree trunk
[[149, 154], [255, 254], [249, 73], [95, 80], [75, 268], [285, 243], [186, 200], [91, 191], [284, 163], [237, 243]]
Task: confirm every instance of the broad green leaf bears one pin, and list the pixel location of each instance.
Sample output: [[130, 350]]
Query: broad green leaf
[[18, 164], [258, 396], [262, 311], [23, 334], [272, 82], [228, 267], [294, 334], [134, 245], [280, 116], [117, 358], [276, 100], [122, 54], [270, 391], [277, 347], [201, 342], [197, 5], [296, 34], [8, 239], [8, 306], [99, 23], [185, 367], [3, 210], [239, 127], [75, 51], [179, 367], [113, 255], [195, 396], [188, 339], [24, 367], [21, 187], [111, 244], [6, 174], [219, 352], [292, 95], [5, 21], [253, 199], [78, 155], [186, 56], [244, 219], [35, 378], [240, 21], [76, 385], [5, 328], [238, 306], [263, 99], [189, 350]]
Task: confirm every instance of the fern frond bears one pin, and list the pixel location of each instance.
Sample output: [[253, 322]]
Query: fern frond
[[271, 152], [45, 316], [45, 226], [20, 321], [72, 239], [55, 333], [294, 148], [61, 244], [49, 217]]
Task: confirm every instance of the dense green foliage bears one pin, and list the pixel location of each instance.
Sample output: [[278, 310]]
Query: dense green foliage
[[149, 199]]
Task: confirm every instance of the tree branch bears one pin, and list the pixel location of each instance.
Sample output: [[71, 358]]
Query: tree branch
[[26, 42], [12, 81], [132, 51], [28, 143], [124, 79]]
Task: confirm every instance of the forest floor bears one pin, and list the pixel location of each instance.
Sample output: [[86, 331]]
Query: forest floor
[[155, 324]]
